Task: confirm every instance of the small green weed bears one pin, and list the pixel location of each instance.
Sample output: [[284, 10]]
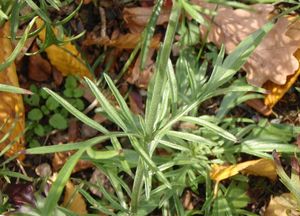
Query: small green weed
[[47, 114]]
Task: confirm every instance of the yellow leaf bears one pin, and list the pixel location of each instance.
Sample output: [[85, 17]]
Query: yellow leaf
[[283, 205], [278, 91], [11, 105], [260, 167], [73, 200], [66, 58]]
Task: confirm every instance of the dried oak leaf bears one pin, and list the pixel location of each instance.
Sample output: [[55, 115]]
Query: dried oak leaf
[[137, 18], [66, 58], [73, 200], [12, 116], [278, 91], [273, 59], [283, 205], [127, 41]]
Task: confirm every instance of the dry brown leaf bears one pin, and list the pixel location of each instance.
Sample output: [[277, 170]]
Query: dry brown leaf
[[260, 167], [273, 59], [278, 91], [127, 41], [73, 200], [11, 106], [39, 69], [259, 106], [283, 205], [141, 78], [187, 200], [57, 77], [136, 103], [137, 18], [60, 159], [66, 58], [84, 1]]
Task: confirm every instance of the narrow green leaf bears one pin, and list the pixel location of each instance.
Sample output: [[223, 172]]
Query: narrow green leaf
[[148, 160], [73, 146], [173, 86], [60, 182], [38, 10], [14, 89], [96, 204], [3, 15], [15, 175], [125, 110], [82, 117], [173, 145], [18, 48], [190, 137], [101, 155], [193, 13], [149, 31], [213, 127], [107, 107]]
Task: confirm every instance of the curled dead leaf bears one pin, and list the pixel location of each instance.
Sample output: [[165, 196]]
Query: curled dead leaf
[[260, 167], [12, 116], [66, 58]]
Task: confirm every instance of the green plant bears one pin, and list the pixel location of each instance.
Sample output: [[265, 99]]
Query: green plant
[[159, 181], [46, 114], [156, 182]]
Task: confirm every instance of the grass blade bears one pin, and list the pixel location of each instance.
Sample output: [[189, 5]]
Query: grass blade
[[82, 117], [14, 89], [218, 130], [59, 184], [18, 48], [72, 146], [149, 31], [125, 110]]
